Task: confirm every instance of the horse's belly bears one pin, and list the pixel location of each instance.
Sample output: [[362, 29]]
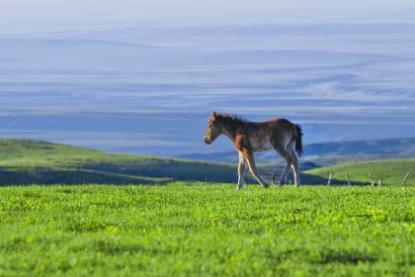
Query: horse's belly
[[263, 145]]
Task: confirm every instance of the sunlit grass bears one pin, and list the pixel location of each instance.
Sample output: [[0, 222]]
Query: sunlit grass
[[200, 229]]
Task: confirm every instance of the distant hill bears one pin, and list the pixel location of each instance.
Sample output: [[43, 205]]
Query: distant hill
[[384, 147], [28, 162], [321, 154], [37, 162], [390, 171]]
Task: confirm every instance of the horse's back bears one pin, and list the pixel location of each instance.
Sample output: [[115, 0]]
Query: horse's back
[[280, 122]]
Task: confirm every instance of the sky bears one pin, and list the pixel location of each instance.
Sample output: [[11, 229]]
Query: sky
[[49, 15], [143, 76]]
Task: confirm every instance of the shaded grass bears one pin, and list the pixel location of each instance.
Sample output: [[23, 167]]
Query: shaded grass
[[391, 171], [28, 162], [202, 229]]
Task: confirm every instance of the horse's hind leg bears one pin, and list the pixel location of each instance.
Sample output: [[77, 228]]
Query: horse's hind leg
[[252, 167], [287, 157], [283, 175], [295, 167], [296, 173]]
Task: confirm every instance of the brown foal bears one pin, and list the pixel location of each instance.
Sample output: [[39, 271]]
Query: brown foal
[[249, 137]]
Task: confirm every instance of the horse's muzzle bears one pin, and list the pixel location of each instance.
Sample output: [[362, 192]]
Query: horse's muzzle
[[206, 141]]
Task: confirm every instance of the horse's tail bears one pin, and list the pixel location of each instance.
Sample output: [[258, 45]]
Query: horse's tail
[[298, 136]]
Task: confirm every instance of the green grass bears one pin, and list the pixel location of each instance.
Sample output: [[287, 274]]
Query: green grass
[[202, 229], [391, 171]]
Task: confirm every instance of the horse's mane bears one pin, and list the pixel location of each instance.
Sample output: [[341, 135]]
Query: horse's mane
[[231, 119]]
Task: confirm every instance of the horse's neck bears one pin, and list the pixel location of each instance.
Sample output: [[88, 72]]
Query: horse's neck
[[231, 131]]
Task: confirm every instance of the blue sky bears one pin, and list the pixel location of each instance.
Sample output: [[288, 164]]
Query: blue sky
[[42, 15], [143, 77]]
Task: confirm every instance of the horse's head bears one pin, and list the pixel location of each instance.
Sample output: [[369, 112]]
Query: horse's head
[[213, 130]]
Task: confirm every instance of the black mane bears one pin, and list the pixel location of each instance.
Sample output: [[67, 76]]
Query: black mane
[[233, 122], [232, 118]]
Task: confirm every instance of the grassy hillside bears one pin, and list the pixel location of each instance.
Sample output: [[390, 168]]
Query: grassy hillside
[[27, 162], [391, 171], [208, 230]]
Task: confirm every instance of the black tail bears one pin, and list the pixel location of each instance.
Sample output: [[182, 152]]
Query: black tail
[[298, 135]]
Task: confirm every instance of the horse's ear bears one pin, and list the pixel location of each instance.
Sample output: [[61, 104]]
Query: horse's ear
[[214, 114]]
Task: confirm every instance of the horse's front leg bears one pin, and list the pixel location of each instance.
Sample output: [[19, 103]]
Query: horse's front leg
[[241, 171], [252, 167]]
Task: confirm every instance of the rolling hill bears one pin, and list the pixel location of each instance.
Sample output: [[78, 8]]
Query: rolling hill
[[28, 162], [37, 162]]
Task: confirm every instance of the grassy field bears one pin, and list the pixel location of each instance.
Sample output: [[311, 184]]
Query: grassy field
[[202, 229], [391, 171]]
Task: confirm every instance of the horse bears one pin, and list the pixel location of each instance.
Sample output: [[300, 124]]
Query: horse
[[248, 137]]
